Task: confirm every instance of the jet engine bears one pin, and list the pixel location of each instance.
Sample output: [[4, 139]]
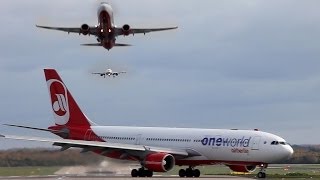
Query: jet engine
[[159, 162], [126, 29], [239, 168], [85, 29]]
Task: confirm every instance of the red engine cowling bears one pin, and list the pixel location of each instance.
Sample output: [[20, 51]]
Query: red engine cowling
[[126, 29], [239, 168], [159, 162], [85, 29]]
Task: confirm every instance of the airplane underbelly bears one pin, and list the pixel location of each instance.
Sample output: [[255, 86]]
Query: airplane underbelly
[[108, 44], [105, 21]]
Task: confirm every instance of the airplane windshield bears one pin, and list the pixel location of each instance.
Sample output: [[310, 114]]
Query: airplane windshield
[[278, 142]]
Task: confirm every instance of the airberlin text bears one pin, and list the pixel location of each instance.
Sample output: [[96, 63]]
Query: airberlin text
[[226, 141]]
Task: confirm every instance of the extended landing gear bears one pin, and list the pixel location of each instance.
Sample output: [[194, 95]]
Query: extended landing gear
[[141, 172], [189, 172], [262, 173]]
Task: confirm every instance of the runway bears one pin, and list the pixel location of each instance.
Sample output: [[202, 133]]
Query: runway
[[108, 170], [56, 177]]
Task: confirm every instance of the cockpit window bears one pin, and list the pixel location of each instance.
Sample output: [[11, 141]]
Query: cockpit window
[[278, 142]]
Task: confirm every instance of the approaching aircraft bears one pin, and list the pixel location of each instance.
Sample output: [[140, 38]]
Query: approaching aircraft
[[158, 149], [106, 31], [109, 73]]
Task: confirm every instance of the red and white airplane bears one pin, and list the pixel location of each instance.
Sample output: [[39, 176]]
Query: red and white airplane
[[158, 149], [106, 31]]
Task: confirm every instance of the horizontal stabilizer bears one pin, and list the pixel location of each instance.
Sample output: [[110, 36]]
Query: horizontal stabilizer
[[120, 44], [34, 128], [99, 44], [92, 44]]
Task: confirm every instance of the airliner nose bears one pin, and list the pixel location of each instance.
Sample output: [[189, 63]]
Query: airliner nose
[[290, 151]]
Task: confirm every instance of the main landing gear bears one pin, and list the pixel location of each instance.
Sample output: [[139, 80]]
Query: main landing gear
[[189, 172], [262, 172], [141, 172]]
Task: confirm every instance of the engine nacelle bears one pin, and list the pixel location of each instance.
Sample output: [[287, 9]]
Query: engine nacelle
[[126, 29], [85, 29], [159, 162], [239, 168]]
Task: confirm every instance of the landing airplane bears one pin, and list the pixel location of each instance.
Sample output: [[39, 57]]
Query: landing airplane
[[158, 149], [109, 73], [106, 31]]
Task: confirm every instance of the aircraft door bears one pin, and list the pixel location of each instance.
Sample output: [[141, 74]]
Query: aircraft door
[[138, 138], [255, 143]]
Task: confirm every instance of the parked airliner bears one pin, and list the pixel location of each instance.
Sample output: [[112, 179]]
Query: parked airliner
[[106, 31], [158, 149], [109, 73]]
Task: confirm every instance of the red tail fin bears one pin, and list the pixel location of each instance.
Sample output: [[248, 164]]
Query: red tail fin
[[65, 109]]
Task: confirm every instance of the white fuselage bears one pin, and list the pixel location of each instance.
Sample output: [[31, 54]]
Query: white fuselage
[[213, 145], [109, 72]]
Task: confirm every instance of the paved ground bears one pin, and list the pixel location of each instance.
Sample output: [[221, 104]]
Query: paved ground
[[56, 177], [106, 170]]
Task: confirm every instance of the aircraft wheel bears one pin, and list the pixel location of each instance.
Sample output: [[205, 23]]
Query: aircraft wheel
[[182, 173], [142, 172], [134, 173], [148, 173], [261, 175], [196, 173], [189, 172], [264, 175]]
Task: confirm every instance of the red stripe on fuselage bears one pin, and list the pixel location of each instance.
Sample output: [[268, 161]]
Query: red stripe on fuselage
[[76, 133]]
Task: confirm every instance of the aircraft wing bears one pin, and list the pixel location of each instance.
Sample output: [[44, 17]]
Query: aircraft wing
[[67, 143], [92, 29], [142, 30], [99, 44], [98, 73], [119, 72]]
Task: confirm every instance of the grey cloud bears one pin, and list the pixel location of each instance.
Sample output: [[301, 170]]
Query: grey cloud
[[231, 64]]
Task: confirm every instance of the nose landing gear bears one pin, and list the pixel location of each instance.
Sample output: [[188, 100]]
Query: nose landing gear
[[262, 172]]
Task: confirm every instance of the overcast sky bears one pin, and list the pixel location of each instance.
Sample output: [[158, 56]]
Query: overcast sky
[[231, 64]]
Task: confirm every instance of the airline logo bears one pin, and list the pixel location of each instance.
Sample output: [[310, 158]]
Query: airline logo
[[59, 100], [59, 106], [226, 141]]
